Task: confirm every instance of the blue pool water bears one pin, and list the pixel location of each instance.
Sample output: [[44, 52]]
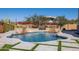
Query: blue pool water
[[37, 37]]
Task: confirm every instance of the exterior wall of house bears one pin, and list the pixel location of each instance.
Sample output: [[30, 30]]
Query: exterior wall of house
[[52, 26], [29, 25], [70, 27], [25, 25]]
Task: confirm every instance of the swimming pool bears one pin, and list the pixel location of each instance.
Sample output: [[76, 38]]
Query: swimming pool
[[37, 37]]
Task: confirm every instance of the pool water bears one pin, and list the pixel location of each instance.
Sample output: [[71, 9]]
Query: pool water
[[37, 37]]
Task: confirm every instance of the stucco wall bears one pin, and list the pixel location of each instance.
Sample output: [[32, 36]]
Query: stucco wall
[[70, 26], [1, 28]]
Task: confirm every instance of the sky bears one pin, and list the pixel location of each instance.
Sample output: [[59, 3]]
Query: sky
[[21, 13]]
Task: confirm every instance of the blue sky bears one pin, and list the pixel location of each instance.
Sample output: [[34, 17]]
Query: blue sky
[[20, 13]]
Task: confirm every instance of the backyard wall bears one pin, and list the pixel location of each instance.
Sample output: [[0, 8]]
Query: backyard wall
[[8, 27], [78, 27], [53, 28], [70, 27], [1, 28]]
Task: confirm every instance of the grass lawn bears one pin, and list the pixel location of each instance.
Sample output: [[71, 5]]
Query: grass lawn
[[6, 47], [59, 46]]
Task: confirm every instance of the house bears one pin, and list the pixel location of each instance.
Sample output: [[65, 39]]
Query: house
[[24, 24], [52, 27], [47, 24], [51, 24], [21, 27]]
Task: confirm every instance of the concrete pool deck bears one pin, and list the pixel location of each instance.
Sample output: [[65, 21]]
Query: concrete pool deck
[[65, 46], [70, 44]]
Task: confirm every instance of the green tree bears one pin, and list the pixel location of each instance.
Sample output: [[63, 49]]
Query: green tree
[[37, 20], [61, 20]]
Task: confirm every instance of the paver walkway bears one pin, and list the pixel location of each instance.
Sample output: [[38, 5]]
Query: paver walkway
[[60, 45]]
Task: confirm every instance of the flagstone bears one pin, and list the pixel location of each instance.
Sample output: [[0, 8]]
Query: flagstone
[[25, 45], [69, 49], [70, 44], [46, 48], [49, 42]]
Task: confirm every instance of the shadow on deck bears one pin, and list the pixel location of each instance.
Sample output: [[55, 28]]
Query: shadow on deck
[[72, 32]]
